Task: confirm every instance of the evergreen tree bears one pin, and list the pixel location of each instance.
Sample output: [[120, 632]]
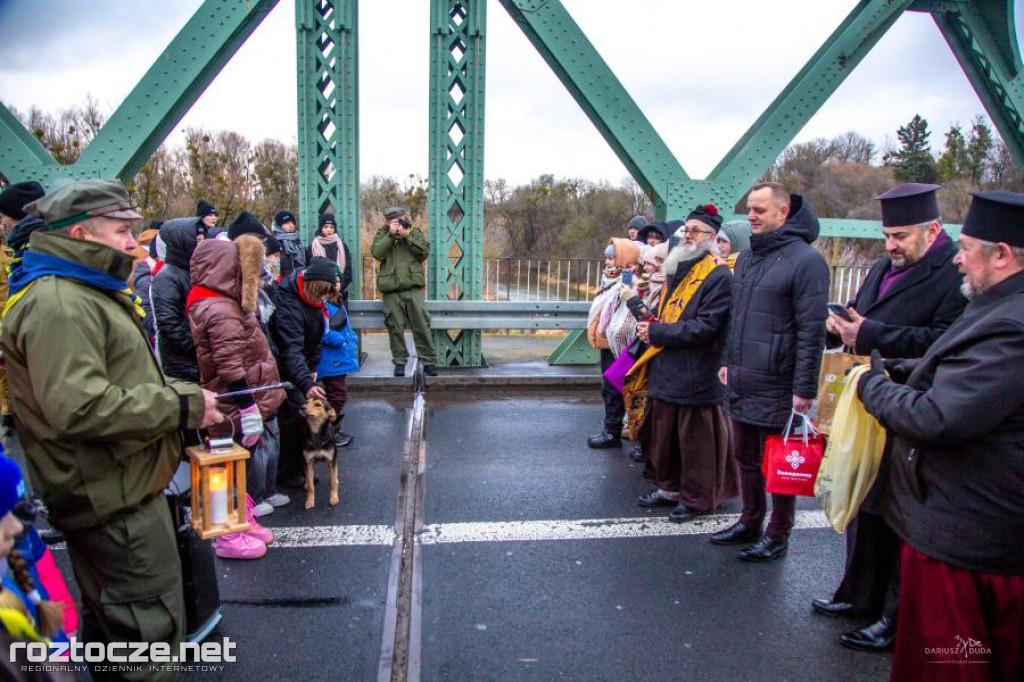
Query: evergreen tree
[[913, 161], [979, 152], [954, 162]]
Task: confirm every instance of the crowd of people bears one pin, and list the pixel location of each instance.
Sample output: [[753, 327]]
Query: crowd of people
[[117, 350], [711, 344]]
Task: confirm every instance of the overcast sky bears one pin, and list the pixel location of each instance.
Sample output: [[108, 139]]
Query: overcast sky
[[701, 71]]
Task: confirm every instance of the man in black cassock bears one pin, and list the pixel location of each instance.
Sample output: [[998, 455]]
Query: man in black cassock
[[957, 470], [909, 298]]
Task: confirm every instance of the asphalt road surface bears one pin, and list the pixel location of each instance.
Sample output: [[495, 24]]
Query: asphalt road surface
[[534, 563]]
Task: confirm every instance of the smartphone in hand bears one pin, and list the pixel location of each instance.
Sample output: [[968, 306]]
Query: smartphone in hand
[[840, 310], [627, 277]]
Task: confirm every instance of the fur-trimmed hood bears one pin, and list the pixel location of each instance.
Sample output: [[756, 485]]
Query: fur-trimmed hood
[[230, 268]]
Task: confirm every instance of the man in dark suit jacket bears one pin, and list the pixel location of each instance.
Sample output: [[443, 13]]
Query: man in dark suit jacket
[[957, 478], [910, 297]]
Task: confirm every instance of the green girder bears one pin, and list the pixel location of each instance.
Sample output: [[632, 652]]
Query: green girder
[[456, 189], [328, 98], [151, 110]]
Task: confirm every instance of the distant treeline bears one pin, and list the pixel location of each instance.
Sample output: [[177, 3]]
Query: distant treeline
[[547, 217]]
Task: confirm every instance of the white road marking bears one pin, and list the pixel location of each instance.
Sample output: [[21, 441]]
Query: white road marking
[[520, 531], [591, 529], [332, 536]]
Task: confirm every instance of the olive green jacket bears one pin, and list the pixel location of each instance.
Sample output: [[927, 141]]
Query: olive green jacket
[[99, 422], [401, 260]]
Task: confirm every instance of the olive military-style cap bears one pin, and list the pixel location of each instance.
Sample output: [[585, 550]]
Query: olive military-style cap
[[394, 212], [83, 199]]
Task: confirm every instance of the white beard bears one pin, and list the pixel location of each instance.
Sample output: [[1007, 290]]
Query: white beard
[[687, 252], [969, 291]]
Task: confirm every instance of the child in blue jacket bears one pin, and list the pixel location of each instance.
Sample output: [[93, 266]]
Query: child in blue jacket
[[338, 358]]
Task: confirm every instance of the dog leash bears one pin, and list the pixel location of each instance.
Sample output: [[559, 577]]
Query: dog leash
[[286, 385]]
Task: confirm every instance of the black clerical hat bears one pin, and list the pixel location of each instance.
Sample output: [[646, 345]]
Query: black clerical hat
[[911, 203]]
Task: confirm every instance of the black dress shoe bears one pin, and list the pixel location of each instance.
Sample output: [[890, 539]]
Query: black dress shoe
[[833, 608], [682, 514], [399, 370], [655, 499], [736, 534], [430, 370], [765, 549], [342, 439], [879, 636], [604, 440], [637, 454], [51, 536]]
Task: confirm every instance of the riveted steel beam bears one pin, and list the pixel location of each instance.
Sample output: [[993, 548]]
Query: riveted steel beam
[[156, 104], [806, 93], [456, 187], [21, 153], [983, 38], [171, 86], [577, 63], [327, 44]]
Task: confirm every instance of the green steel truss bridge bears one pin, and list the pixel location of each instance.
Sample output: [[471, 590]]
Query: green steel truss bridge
[[980, 33]]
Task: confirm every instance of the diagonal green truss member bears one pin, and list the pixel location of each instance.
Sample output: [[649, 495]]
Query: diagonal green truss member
[[980, 33], [157, 103]]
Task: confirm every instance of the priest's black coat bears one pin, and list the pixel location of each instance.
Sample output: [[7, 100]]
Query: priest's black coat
[[957, 433], [914, 311]]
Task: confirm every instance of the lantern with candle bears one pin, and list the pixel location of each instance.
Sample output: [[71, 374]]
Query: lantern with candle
[[218, 488]]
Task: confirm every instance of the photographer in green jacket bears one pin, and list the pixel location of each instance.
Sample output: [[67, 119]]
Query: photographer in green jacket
[[99, 421], [401, 250]]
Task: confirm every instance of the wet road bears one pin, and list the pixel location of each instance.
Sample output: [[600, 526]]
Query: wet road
[[535, 563]]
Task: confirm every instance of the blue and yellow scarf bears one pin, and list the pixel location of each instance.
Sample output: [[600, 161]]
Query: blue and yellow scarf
[[36, 265]]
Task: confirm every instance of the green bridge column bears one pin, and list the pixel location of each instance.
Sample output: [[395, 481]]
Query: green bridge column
[[326, 34], [456, 184]]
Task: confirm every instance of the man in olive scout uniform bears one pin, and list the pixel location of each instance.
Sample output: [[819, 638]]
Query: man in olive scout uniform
[[401, 250], [99, 421]]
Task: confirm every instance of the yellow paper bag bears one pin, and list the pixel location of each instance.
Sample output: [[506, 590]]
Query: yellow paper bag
[[852, 456]]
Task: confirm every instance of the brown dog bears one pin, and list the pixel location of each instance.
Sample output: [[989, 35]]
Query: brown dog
[[319, 446]]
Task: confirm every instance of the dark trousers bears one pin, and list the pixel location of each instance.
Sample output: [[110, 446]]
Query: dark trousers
[[130, 577], [614, 407], [957, 624], [872, 578], [688, 448], [290, 462], [748, 450], [337, 392]]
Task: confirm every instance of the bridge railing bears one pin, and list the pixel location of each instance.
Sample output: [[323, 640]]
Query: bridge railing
[[575, 279]]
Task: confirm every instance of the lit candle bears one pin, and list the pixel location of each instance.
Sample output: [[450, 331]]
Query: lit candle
[[218, 495]]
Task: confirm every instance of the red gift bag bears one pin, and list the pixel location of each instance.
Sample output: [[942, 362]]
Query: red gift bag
[[791, 462]]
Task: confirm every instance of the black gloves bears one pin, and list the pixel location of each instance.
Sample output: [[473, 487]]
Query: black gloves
[[877, 370]]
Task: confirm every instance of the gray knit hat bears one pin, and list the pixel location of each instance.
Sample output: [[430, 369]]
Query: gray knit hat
[[637, 222]]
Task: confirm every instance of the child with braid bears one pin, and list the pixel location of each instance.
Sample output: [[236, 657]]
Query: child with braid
[[25, 615]]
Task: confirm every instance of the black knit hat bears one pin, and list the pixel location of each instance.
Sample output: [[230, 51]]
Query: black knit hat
[[327, 219], [707, 214], [283, 217], [321, 269], [14, 199], [246, 223], [272, 245], [205, 208], [155, 224]]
